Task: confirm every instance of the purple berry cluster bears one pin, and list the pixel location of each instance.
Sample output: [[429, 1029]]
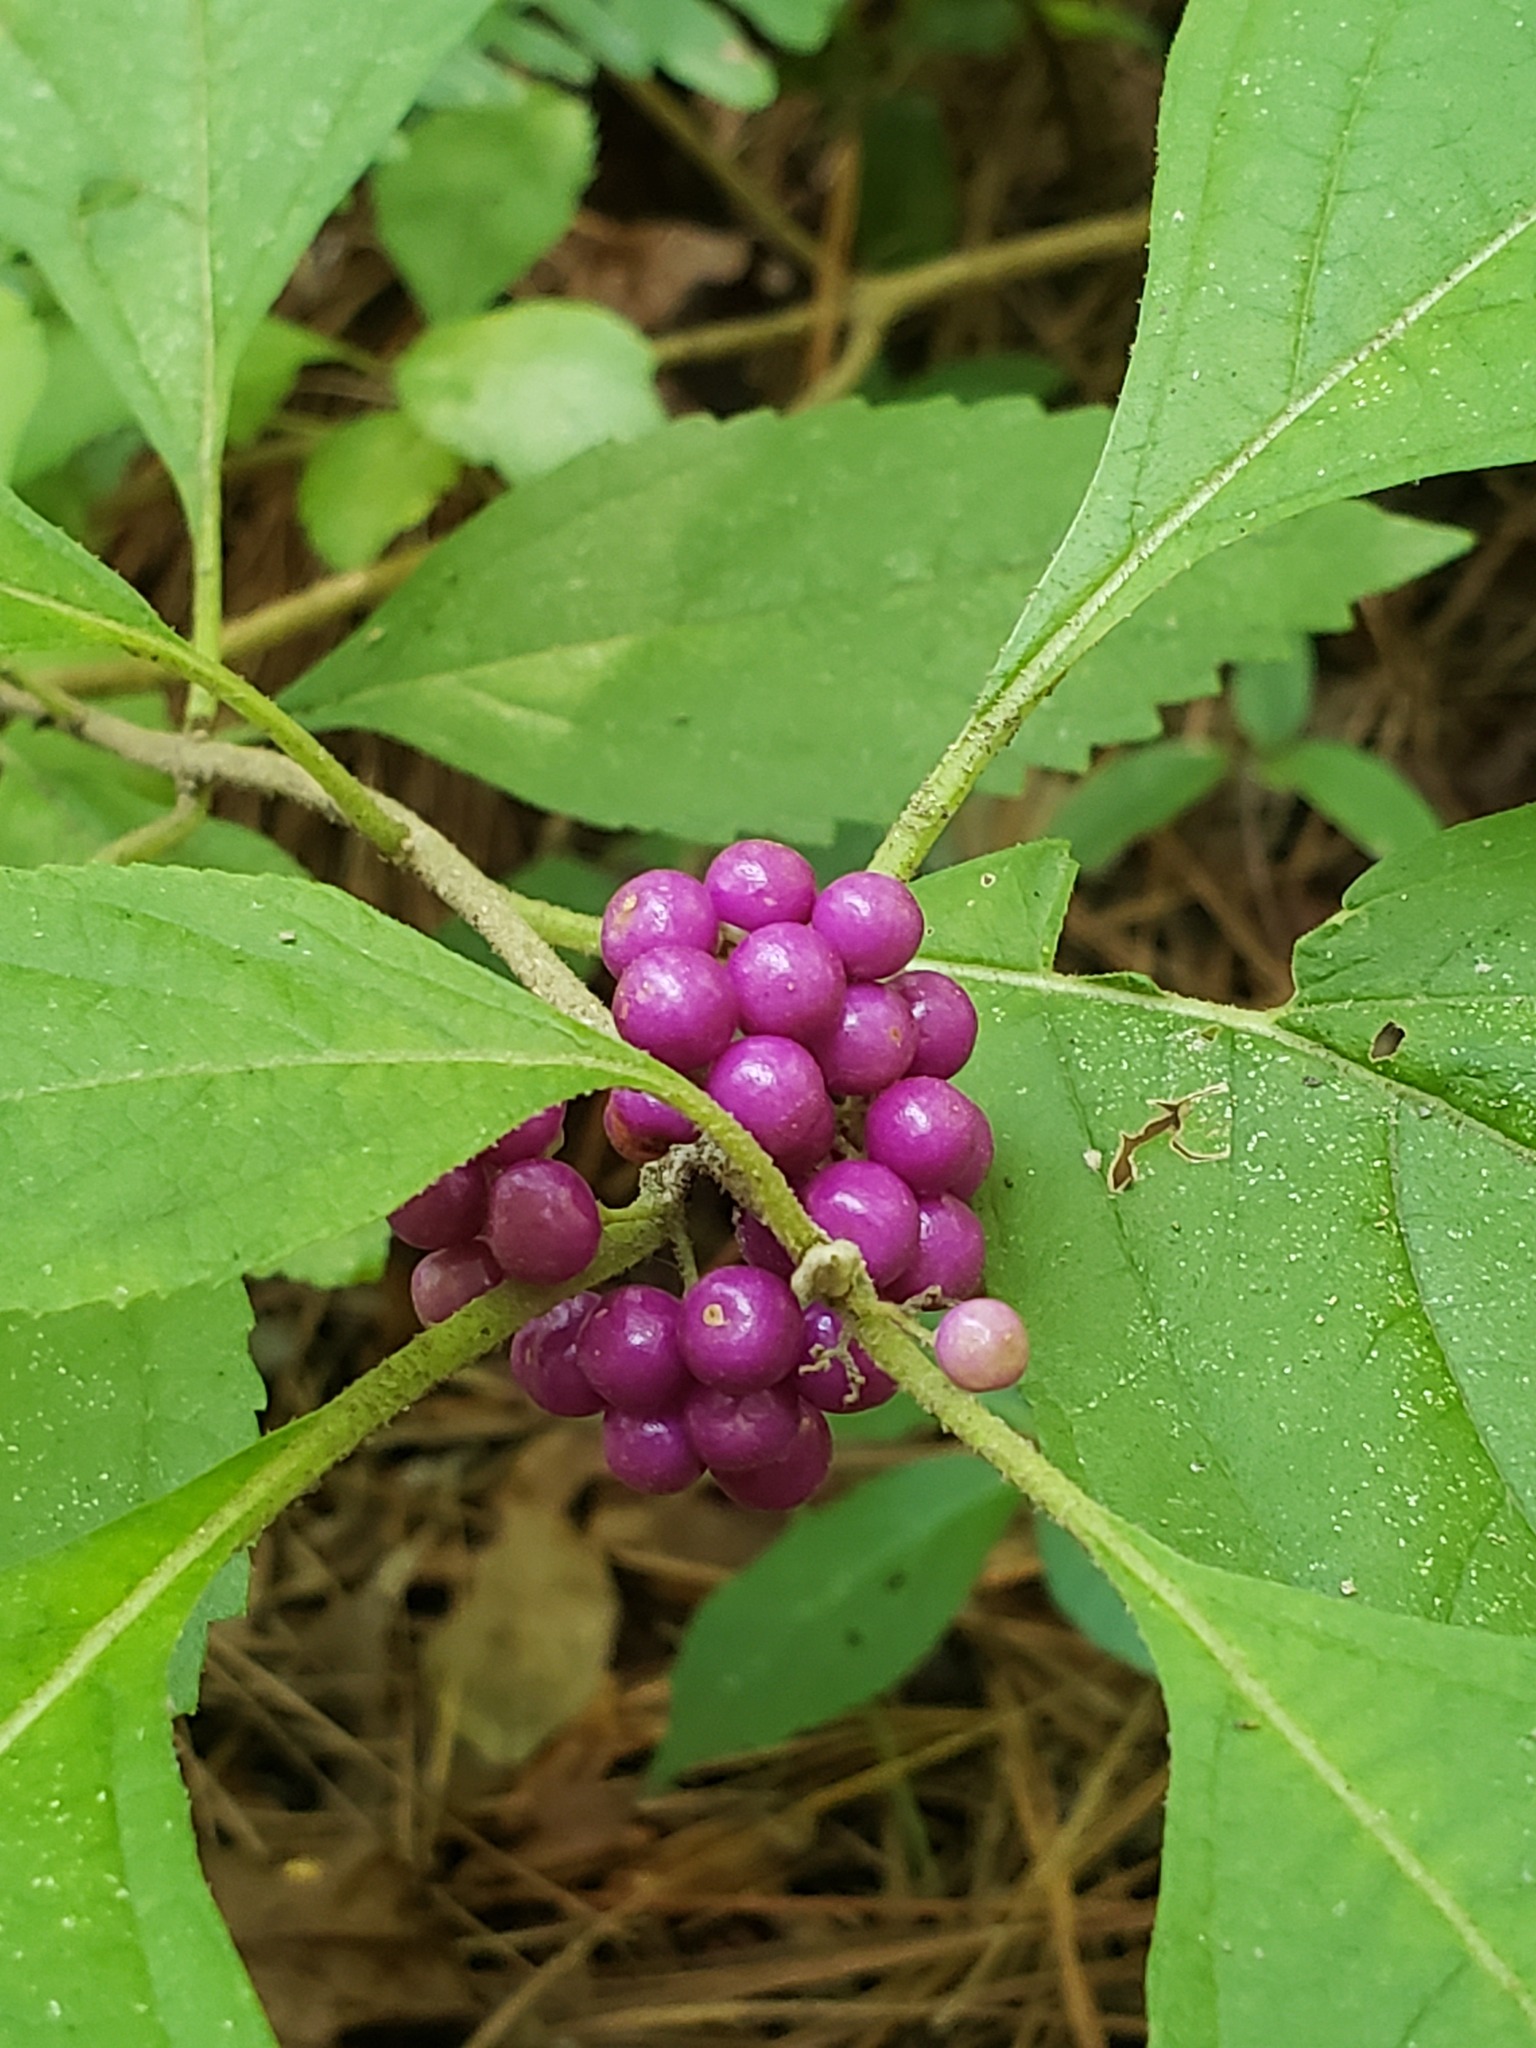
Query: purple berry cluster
[[735, 1379], [799, 1012], [510, 1213]]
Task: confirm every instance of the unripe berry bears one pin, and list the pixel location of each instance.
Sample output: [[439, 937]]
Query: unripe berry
[[758, 882], [542, 1222], [449, 1211], [642, 1127], [872, 1207], [982, 1345], [871, 1042], [544, 1360], [662, 907], [773, 1087], [629, 1351], [650, 1453], [839, 1377], [928, 1132], [945, 1018], [951, 1253], [788, 981], [448, 1279], [872, 921], [733, 1432], [791, 1479], [535, 1138], [739, 1329], [676, 1004]]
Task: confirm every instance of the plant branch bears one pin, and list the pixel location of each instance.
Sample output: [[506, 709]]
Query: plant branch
[[159, 836], [756, 205], [197, 762]]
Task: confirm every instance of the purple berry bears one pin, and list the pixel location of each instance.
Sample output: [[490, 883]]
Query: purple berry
[[449, 1278], [662, 907], [543, 1358], [650, 1453], [873, 1207], [788, 982], [872, 921], [791, 1479], [758, 882], [447, 1212], [642, 1127], [542, 1222], [945, 1018], [759, 1246], [773, 1087], [871, 1043], [839, 1376], [928, 1132], [732, 1432], [629, 1351], [982, 1345], [535, 1139], [740, 1329], [676, 1004], [979, 1164], [951, 1252]]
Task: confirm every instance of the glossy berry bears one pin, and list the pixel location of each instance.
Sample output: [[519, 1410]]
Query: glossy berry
[[642, 1127], [838, 1376], [732, 1432], [774, 1088], [544, 1363], [630, 1354], [978, 1163], [447, 1212], [758, 882], [740, 1329], [871, 1042], [951, 1252], [791, 1479], [945, 1018], [676, 1004], [534, 1139], [868, 1204], [872, 921], [788, 981], [759, 1246], [662, 907], [928, 1132], [448, 1279], [982, 1345], [650, 1453], [542, 1222]]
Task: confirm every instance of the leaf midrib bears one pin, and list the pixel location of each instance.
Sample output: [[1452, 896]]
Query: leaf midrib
[[1254, 1023]]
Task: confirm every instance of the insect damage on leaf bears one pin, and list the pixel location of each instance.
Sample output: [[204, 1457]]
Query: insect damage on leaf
[[1167, 1123]]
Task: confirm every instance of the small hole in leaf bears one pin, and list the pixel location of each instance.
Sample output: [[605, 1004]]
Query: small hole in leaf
[[1387, 1041]]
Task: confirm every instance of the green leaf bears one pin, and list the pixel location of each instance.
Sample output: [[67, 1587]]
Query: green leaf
[[475, 195], [848, 569], [1136, 792], [1350, 1836], [1238, 1350], [700, 45], [1006, 373], [1086, 1597], [264, 375], [104, 1408], [1337, 298], [79, 404], [840, 1607], [1099, 21], [209, 1073], [527, 388], [367, 482], [909, 197], [61, 800], [1365, 797], [1009, 911], [23, 373], [1272, 700], [355, 1259], [55, 596], [165, 169]]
